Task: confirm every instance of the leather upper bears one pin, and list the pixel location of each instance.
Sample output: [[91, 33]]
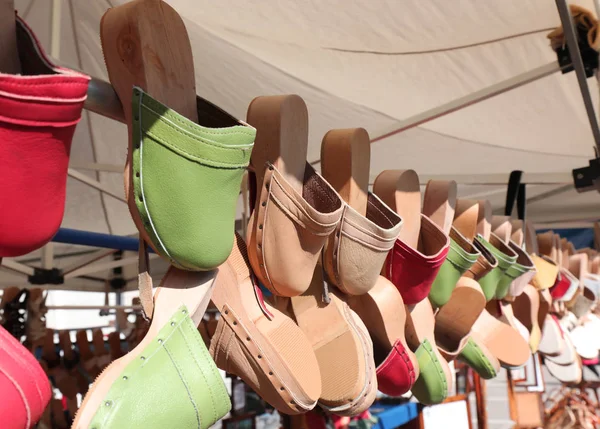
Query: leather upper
[[547, 271], [583, 303], [461, 256], [186, 181], [396, 375], [473, 355], [432, 386], [505, 257], [517, 275], [23, 384], [355, 253], [38, 113], [561, 286], [288, 231], [172, 383], [413, 271]]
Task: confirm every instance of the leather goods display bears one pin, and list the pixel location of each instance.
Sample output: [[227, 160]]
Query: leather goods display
[[355, 254], [24, 387], [172, 349], [363, 232], [334, 294], [294, 210], [401, 191], [39, 110], [505, 343]]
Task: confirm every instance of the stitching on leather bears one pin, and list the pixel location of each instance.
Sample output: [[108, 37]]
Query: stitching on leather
[[298, 205], [236, 129], [208, 384], [265, 367], [23, 396], [392, 224], [201, 160], [140, 159], [206, 355], [484, 359], [436, 363], [382, 249], [186, 386], [262, 215]]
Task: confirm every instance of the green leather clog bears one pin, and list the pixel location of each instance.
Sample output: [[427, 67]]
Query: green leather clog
[[173, 383], [186, 182], [461, 256], [475, 355], [505, 256], [432, 385]]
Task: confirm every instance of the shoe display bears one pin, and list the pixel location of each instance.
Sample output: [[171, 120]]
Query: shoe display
[[304, 277]]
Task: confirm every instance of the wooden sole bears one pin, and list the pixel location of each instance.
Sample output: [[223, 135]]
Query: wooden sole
[[281, 124], [345, 164], [156, 58], [190, 288], [439, 202], [332, 332], [420, 326], [401, 191], [503, 341], [234, 290], [454, 321]]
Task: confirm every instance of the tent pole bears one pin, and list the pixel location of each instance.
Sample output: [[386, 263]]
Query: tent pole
[[95, 166], [500, 179], [88, 259], [571, 37], [95, 239], [94, 307], [17, 267], [95, 268], [468, 100], [48, 256], [102, 99], [95, 184], [55, 28]]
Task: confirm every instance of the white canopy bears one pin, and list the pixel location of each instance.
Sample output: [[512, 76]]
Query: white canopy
[[360, 64]]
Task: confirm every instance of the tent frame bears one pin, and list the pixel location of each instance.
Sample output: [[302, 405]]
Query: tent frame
[[102, 99]]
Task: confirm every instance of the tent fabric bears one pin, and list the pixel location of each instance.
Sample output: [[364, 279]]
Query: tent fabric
[[360, 64]]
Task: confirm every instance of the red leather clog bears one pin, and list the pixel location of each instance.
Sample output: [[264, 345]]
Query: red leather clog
[[38, 113], [412, 270], [24, 386], [396, 374]]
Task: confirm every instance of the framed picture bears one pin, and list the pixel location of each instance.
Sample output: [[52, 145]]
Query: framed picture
[[453, 413]]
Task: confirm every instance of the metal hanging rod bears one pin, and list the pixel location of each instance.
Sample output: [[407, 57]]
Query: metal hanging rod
[[102, 99], [94, 307], [571, 38]]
